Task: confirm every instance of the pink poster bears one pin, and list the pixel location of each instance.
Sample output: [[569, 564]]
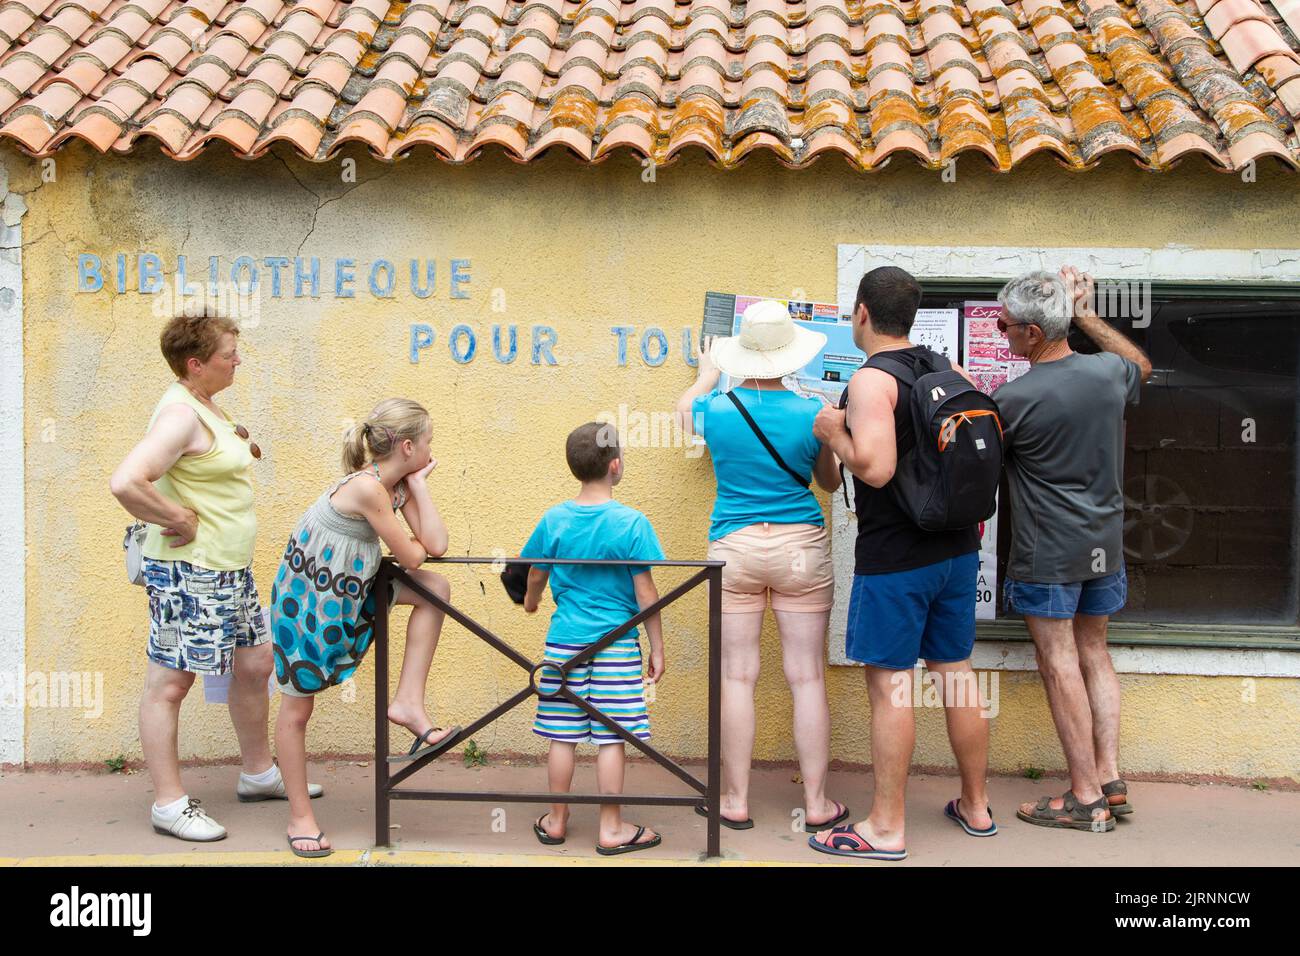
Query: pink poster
[[989, 359], [990, 362]]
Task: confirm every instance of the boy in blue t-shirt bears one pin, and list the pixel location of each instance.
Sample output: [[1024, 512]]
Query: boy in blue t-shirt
[[589, 603]]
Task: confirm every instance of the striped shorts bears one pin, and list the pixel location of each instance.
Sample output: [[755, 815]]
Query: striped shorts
[[611, 682]]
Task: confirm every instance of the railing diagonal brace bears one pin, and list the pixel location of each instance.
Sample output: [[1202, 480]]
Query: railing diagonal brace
[[475, 628], [587, 653], [607, 721]]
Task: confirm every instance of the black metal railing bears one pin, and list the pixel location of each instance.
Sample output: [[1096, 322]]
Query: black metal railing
[[386, 783]]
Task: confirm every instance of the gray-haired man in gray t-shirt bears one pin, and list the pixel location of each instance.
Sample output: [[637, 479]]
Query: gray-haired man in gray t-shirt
[[1063, 425]]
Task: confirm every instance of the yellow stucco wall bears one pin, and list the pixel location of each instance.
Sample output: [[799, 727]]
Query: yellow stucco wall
[[577, 248]]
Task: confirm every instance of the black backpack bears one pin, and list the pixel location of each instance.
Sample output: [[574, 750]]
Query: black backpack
[[947, 474]]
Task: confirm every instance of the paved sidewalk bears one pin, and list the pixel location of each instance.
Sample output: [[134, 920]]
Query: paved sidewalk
[[102, 819]]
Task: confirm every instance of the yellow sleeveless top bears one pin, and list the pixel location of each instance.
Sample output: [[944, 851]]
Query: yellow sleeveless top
[[217, 485]]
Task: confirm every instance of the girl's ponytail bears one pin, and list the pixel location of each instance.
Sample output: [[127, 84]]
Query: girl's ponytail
[[355, 452]]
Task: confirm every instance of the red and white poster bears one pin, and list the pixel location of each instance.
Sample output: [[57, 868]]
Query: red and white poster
[[990, 362], [988, 353]]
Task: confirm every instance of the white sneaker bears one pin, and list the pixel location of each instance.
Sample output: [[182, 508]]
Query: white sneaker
[[249, 791], [192, 823]]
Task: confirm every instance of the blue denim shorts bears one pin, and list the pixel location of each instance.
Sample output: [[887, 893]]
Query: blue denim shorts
[[927, 613], [1099, 597]]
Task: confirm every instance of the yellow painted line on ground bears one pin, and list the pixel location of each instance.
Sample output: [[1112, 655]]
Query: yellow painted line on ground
[[379, 858], [205, 858], [453, 858]]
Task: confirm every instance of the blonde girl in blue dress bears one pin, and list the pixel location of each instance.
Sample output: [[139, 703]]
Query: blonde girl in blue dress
[[323, 605]]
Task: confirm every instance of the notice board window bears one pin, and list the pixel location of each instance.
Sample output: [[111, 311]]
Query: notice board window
[[1210, 469]]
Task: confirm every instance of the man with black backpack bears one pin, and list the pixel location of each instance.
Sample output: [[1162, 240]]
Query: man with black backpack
[[924, 447]]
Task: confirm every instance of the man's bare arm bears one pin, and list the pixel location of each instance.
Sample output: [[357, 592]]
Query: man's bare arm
[[864, 438], [1093, 326], [1112, 340]]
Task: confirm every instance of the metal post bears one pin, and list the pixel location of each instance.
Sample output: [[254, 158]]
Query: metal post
[[382, 583], [715, 712]]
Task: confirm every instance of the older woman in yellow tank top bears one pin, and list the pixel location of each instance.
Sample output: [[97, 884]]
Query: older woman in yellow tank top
[[190, 480]]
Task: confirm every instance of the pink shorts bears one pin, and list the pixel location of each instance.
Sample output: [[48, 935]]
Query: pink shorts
[[792, 562]]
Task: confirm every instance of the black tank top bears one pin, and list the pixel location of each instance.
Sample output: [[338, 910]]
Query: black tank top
[[888, 540]]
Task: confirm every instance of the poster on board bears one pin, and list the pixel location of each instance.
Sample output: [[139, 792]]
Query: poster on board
[[936, 329], [988, 353], [826, 375], [990, 362]]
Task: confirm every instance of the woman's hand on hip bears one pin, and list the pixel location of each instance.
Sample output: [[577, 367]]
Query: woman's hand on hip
[[183, 531]]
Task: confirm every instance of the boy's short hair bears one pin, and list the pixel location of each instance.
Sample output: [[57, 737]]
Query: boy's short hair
[[194, 336], [589, 450]]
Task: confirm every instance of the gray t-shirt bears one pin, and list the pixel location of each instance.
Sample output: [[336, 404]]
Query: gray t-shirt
[[1063, 426]]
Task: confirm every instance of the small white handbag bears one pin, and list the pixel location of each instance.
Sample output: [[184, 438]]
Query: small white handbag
[[133, 545]]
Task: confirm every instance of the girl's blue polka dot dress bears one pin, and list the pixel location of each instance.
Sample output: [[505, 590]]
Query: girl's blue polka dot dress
[[322, 605]]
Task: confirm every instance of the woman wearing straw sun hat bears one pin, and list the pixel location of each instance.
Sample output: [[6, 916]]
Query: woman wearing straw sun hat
[[769, 528]]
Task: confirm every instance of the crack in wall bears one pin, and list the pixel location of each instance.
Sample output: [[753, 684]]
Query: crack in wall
[[322, 203]]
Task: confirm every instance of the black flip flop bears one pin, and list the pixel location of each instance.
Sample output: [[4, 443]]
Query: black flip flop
[[310, 854], [631, 846], [829, 824], [446, 743], [542, 836], [747, 824]]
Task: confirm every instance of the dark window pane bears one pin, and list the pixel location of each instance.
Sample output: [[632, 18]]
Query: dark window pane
[[1210, 468]]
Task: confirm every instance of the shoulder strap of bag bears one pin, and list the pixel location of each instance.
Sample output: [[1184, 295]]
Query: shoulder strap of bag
[[907, 371], [803, 482], [902, 369]]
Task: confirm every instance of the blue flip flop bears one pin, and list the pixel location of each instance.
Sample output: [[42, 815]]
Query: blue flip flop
[[954, 814], [846, 841], [834, 821]]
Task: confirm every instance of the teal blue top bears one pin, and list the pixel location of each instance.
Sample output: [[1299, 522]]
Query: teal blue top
[[752, 488], [591, 601]]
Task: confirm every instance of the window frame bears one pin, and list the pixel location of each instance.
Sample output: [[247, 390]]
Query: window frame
[[1211, 636]]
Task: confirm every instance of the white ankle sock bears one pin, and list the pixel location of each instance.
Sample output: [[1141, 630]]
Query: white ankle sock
[[172, 810], [266, 776]]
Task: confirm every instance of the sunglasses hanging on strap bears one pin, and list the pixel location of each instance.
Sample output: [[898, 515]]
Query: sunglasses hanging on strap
[[771, 450]]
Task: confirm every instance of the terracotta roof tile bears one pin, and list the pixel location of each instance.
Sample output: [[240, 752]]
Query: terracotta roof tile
[[868, 80]]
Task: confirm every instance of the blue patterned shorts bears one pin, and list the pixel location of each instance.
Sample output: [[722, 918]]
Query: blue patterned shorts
[[197, 616]]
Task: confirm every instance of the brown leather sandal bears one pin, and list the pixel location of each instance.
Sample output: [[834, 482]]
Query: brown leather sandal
[[1116, 792], [1073, 815]]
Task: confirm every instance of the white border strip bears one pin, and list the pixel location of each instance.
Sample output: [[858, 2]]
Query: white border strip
[[1177, 263], [1174, 262], [13, 542], [1149, 659]]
